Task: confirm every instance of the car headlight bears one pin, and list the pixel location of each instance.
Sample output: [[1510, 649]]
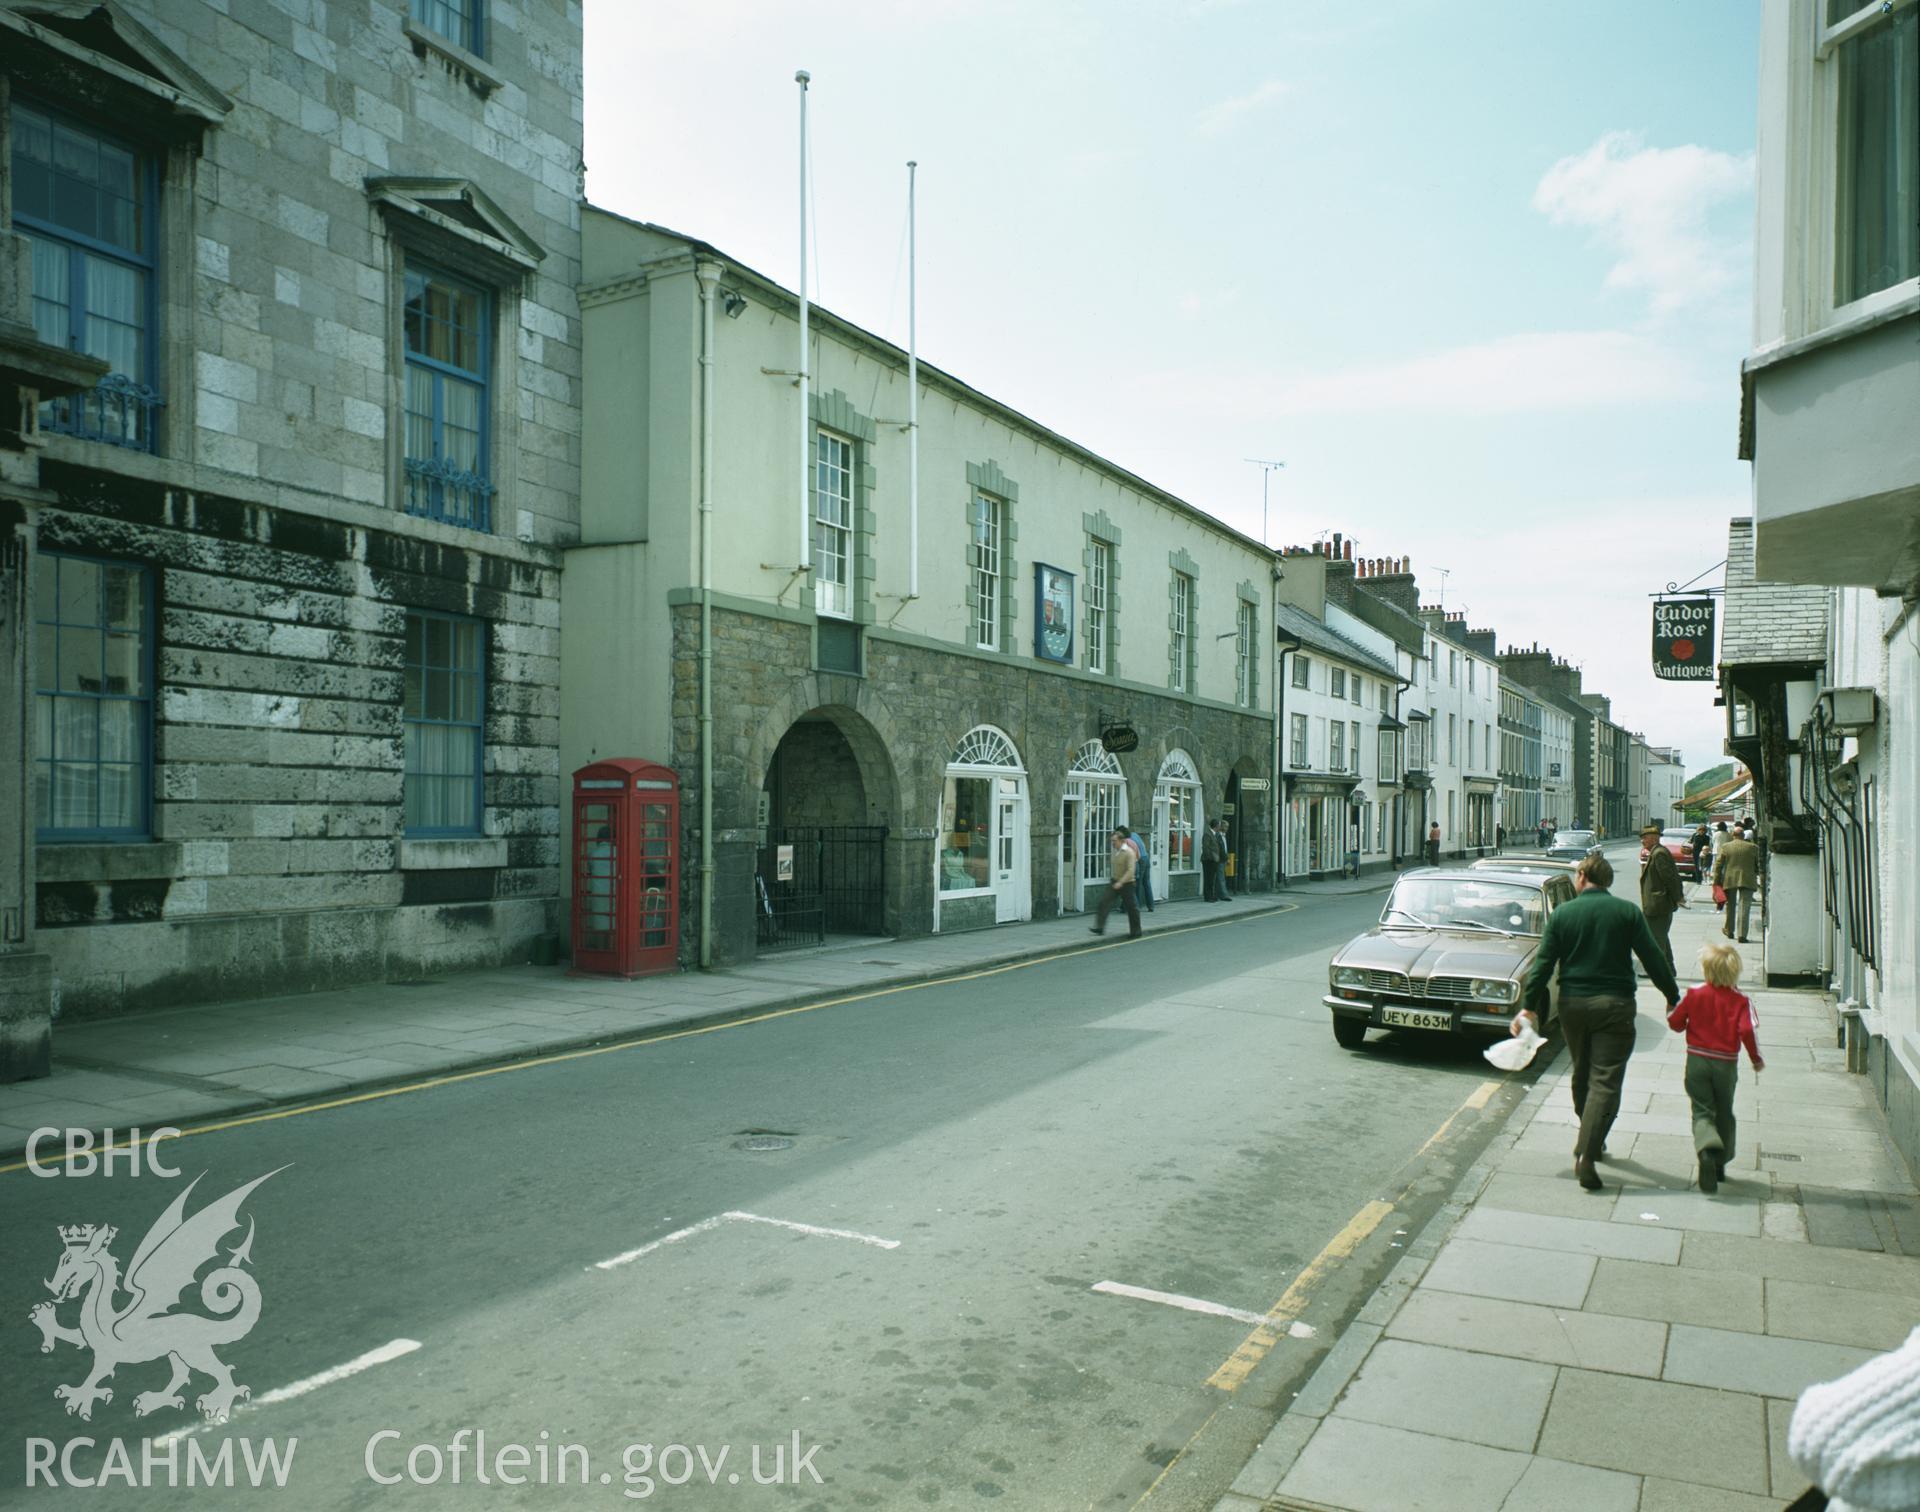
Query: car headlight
[[1495, 990], [1349, 976]]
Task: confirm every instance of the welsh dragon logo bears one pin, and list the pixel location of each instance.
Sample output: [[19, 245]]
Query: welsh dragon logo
[[146, 1326]]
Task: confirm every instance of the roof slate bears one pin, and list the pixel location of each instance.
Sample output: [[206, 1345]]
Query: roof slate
[[1316, 634], [1768, 622]]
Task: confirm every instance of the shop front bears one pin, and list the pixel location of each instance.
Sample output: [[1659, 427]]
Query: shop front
[[1094, 804], [1320, 826], [983, 876]]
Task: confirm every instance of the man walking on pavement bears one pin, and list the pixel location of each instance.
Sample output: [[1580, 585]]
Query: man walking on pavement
[[1120, 868], [1660, 890], [1737, 870], [1213, 857], [1593, 939]]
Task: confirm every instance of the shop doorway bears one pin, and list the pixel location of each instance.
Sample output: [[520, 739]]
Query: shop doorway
[[1098, 792]]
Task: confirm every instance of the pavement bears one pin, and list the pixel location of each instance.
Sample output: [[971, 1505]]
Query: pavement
[[181, 1065], [1641, 1347]]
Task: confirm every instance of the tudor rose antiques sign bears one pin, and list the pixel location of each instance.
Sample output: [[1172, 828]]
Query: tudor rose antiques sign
[[1683, 639]]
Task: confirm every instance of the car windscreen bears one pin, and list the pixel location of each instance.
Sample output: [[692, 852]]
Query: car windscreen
[[1573, 837], [1676, 837], [1466, 903]]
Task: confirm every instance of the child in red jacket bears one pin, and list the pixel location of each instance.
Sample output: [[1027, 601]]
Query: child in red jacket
[[1717, 1021]]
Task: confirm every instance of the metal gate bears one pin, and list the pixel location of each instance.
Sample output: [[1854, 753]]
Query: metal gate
[[837, 885]]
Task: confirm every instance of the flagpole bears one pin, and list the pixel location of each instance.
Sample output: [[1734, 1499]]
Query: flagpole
[[803, 78]]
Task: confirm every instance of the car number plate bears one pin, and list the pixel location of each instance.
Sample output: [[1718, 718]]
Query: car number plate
[[1415, 1018]]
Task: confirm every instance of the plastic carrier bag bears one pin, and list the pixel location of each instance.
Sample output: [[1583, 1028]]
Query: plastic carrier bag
[[1516, 1053]]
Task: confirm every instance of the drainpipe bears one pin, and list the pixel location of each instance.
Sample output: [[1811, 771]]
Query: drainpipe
[[1284, 644], [913, 397], [707, 274]]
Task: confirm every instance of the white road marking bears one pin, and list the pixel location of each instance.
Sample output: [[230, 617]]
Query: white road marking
[[823, 1233], [647, 1249], [735, 1216], [1174, 1299], [393, 1349]]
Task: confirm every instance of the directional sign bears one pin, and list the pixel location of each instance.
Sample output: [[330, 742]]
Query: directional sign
[[1683, 640]]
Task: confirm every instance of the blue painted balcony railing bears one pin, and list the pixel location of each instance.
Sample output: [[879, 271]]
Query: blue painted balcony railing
[[117, 410], [438, 490]]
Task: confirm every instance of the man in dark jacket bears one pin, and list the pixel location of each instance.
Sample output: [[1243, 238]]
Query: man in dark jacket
[[1592, 940], [1213, 858], [1660, 890]]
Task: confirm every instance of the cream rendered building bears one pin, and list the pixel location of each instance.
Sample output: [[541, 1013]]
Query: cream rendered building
[[905, 733]]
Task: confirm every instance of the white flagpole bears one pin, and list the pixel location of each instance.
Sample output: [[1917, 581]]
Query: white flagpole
[[803, 78], [913, 401]]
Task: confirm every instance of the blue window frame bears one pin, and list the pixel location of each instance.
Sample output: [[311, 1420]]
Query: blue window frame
[[87, 205], [93, 699], [448, 326], [459, 21], [444, 708]]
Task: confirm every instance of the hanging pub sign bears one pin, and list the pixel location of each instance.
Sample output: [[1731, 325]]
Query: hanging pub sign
[[1052, 613], [1683, 639]]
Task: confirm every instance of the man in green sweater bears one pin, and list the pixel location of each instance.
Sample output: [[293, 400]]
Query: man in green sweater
[[1593, 939]]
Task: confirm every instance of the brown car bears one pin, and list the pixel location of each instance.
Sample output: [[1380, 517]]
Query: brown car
[[1450, 954]]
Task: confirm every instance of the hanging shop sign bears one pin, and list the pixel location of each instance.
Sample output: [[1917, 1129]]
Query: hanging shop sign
[[1683, 639], [1052, 614]]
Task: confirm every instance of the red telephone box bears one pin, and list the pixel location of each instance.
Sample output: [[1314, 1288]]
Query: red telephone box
[[626, 868]]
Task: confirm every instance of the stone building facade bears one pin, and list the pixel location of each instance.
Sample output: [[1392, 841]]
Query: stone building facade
[[902, 718], [283, 569]]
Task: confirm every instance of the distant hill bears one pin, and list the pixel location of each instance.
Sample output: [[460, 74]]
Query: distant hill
[[1712, 777]]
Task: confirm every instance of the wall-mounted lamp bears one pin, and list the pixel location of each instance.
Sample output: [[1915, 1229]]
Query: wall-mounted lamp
[[733, 302]]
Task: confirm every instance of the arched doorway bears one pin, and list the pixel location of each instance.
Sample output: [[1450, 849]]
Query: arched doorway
[[822, 830], [1095, 801], [983, 865], [1178, 818]]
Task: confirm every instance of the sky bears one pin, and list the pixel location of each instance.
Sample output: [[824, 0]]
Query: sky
[[1480, 275]]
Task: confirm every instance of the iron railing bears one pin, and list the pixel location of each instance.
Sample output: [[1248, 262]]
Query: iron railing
[[116, 410], [439, 490], [837, 883]]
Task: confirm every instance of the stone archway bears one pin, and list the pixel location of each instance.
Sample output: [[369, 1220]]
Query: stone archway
[[825, 808]]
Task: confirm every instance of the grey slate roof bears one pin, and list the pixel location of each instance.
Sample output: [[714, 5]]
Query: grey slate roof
[[1298, 625], [1768, 622]]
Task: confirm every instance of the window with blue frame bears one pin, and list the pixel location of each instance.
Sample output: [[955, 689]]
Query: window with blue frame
[[86, 205], [459, 21], [448, 361], [443, 706], [93, 698]]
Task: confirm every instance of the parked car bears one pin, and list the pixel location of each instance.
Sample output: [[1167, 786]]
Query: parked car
[[1571, 845], [1679, 844], [1450, 954], [1534, 866]]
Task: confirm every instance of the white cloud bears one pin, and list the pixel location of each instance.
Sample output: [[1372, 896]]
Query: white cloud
[[1527, 373], [1226, 114], [1649, 206]]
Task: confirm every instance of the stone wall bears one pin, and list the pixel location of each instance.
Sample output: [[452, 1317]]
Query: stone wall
[[903, 719], [278, 861]]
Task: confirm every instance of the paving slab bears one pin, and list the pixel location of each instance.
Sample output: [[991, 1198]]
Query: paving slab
[[1688, 1433], [1477, 1268], [1364, 1467], [1672, 1293], [1658, 1495], [1455, 1393], [1769, 1258], [1558, 1195], [1343, 1361], [1839, 1315], [1580, 1236], [1551, 1485], [1789, 1479], [1551, 1336], [1761, 1363], [1733, 1213]]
